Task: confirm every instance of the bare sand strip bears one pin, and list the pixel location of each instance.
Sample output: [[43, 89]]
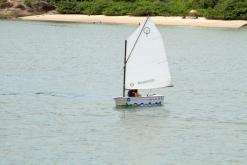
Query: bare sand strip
[[173, 21]]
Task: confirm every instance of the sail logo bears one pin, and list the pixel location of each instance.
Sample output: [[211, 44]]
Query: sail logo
[[146, 30], [146, 81]]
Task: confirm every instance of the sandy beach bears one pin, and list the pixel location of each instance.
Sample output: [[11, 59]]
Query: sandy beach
[[172, 21]]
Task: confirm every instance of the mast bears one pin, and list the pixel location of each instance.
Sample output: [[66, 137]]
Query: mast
[[125, 52]]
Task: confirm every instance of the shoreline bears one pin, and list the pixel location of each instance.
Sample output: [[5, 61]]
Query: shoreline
[[159, 20]]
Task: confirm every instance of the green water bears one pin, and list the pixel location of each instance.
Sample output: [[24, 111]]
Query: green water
[[57, 82]]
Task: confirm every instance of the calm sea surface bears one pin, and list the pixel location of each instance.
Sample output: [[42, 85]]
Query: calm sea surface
[[57, 82]]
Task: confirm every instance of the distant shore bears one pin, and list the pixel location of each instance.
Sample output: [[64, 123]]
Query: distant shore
[[159, 20]]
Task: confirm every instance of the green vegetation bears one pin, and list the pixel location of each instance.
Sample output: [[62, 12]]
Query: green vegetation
[[213, 9], [229, 9], [28, 3], [3, 1]]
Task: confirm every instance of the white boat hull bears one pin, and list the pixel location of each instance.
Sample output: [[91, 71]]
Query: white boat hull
[[140, 101]]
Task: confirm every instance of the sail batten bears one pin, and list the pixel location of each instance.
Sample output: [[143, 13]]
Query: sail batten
[[148, 66]]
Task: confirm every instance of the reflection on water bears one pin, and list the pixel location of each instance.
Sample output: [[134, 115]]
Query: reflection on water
[[58, 80]]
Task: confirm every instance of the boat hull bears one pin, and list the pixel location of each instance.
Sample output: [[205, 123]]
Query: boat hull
[[140, 101]]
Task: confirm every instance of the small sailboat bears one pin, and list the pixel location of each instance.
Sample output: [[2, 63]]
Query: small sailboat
[[145, 65]]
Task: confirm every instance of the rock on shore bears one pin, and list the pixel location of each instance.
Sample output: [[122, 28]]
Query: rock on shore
[[17, 8]]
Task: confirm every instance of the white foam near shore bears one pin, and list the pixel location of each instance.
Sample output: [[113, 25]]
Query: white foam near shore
[[159, 20]]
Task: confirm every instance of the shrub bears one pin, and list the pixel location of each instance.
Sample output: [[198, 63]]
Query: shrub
[[117, 9], [215, 9], [229, 9], [177, 7], [144, 8], [3, 1], [96, 7], [205, 4], [28, 3], [66, 7]]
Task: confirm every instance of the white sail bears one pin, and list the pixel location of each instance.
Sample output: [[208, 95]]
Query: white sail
[[146, 61]]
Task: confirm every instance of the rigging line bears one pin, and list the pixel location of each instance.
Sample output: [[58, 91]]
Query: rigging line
[[149, 92], [136, 40]]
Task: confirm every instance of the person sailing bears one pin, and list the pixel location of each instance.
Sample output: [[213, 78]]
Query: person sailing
[[133, 93]]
